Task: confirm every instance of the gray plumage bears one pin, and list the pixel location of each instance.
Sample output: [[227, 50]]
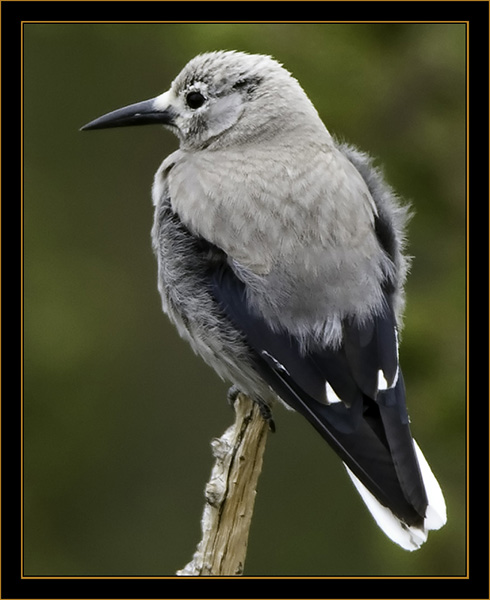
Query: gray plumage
[[261, 190], [281, 260]]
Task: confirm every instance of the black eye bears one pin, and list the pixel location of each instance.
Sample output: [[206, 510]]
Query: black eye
[[195, 99]]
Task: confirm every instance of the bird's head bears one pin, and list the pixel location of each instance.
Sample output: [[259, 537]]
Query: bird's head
[[222, 98]]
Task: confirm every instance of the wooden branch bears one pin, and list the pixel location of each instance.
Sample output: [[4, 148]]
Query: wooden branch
[[230, 494]]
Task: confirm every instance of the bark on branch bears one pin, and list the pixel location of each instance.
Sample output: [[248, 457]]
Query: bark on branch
[[230, 494]]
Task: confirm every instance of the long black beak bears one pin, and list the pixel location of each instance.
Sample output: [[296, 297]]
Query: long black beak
[[141, 113]]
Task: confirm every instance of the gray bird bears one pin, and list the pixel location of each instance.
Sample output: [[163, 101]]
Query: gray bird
[[280, 259]]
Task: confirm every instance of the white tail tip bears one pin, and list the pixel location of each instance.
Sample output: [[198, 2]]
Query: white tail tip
[[408, 537]]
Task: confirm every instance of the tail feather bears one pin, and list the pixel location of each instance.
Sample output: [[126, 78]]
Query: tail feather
[[436, 515], [409, 537]]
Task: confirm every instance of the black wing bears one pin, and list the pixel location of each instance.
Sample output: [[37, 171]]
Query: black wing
[[369, 428]]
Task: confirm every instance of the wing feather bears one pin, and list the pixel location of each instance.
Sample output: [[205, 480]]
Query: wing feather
[[369, 429]]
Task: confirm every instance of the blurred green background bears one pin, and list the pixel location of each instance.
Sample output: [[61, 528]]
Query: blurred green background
[[119, 413]]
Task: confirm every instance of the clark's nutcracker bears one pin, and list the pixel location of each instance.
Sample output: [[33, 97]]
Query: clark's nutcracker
[[280, 259]]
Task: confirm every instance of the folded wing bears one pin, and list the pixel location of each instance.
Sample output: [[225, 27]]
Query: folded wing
[[354, 396]]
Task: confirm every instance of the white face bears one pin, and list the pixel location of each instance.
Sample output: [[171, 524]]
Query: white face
[[200, 114]]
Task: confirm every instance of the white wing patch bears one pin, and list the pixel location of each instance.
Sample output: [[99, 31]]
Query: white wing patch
[[332, 397], [383, 383]]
